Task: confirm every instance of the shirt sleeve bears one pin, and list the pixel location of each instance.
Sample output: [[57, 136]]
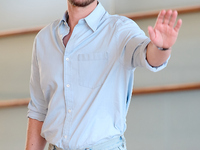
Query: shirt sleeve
[[133, 44], [139, 59], [37, 107]]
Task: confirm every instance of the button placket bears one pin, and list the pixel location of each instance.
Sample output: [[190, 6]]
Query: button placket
[[68, 95], [68, 88]]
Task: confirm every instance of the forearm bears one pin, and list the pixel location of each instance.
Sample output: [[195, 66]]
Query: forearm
[[34, 140], [156, 57]]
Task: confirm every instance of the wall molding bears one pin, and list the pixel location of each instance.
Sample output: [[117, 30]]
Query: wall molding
[[136, 91], [133, 16]]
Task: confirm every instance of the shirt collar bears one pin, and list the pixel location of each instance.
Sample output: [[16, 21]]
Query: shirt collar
[[64, 18], [92, 19], [95, 16]]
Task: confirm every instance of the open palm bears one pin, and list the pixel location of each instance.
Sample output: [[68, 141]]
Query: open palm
[[164, 34]]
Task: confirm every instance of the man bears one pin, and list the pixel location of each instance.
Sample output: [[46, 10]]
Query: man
[[82, 75]]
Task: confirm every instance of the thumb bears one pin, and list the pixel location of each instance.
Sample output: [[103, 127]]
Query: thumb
[[151, 33]]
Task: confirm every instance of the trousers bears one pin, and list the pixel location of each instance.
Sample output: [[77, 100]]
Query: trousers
[[118, 143]]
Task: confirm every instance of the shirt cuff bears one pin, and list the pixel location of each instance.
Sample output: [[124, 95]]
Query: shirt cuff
[[151, 68], [34, 114]]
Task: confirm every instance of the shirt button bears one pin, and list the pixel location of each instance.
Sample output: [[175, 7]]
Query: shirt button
[[69, 111], [68, 85], [67, 59]]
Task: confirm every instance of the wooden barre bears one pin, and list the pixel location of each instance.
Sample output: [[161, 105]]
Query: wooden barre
[[133, 16], [137, 91], [14, 102], [20, 31], [152, 14], [169, 88]]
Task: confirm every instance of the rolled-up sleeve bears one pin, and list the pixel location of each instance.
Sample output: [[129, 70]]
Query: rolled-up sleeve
[[133, 43], [37, 107], [139, 56]]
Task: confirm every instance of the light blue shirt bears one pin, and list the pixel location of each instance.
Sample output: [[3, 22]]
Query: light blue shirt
[[82, 92]]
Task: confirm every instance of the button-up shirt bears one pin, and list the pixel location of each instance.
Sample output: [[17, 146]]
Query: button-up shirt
[[82, 91]]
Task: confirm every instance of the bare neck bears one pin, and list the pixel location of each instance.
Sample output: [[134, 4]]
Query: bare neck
[[77, 13]]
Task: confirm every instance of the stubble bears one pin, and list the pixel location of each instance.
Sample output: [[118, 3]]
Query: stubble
[[81, 3]]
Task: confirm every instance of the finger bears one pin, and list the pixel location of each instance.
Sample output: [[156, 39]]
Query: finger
[[161, 17], [173, 18], [167, 17], [178, 25], [151, 32]]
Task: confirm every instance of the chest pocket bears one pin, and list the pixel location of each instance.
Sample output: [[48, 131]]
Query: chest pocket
[[92, 68]]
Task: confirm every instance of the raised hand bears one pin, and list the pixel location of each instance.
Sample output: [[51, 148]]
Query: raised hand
[[165, 33]]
